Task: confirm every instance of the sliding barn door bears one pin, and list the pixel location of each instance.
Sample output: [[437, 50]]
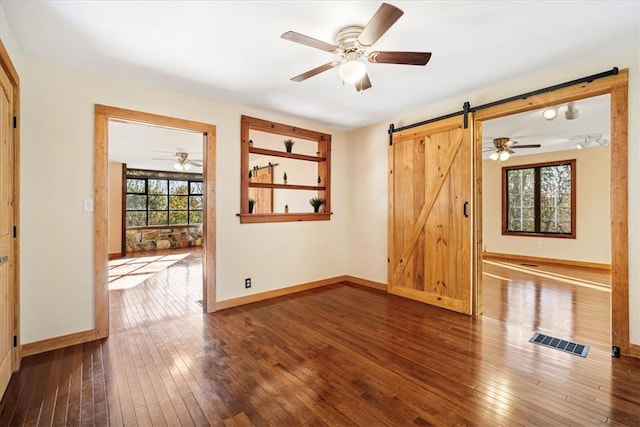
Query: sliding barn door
[[430, 219]]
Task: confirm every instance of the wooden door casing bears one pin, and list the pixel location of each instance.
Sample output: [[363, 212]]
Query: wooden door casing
[[430, 217], [6, 231]]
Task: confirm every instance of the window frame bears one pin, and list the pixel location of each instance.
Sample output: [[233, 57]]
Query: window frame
[[145, 176], [537, 167]]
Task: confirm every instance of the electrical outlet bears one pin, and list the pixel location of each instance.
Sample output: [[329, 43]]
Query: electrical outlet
[[247, 282]]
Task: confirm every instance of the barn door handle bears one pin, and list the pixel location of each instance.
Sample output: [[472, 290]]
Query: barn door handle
[[4, 259], [464, 209]]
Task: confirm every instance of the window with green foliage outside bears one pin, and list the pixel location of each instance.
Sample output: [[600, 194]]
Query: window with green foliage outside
[[539, 199], [151, 201]]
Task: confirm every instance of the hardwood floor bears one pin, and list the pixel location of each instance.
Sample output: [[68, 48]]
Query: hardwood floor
[[339, 355], [568, 302]]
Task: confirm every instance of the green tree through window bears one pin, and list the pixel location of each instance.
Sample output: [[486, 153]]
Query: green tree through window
[[155, 201], [540, 199]]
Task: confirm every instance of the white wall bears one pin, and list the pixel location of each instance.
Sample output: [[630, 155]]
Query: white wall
[[57, 173], [368, 166], [9, 41], [115, 208], [593, 219]]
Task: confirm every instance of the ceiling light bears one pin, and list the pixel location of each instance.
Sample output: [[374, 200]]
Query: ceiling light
[[572, 112], [579, 145], [504, 155], [494, 155], [351, 70], [181, 167], [550, 113]]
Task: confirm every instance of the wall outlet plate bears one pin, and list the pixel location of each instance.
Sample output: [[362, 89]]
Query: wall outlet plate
[[247, 282]]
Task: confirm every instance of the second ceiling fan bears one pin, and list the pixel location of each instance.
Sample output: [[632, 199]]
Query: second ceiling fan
[[352, 44], [504, 148]]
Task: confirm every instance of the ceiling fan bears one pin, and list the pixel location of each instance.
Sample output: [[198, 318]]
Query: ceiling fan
[[182, 162], [504, 148], [352, 44]]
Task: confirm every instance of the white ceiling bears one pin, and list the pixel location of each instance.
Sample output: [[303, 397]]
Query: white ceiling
[[231, 51], [152, 147], [553, 135]]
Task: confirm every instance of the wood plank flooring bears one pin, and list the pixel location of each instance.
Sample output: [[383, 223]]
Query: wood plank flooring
[[340, 355]]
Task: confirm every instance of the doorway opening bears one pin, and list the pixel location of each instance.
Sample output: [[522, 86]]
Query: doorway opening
[[189, 202], [546, 250], [616, 86]]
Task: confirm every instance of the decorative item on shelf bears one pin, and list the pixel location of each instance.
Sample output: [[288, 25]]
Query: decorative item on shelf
[[251, 143], [316, 203], [284, 177], [288, 144], [319, 180], [286, 208], [252, 202]]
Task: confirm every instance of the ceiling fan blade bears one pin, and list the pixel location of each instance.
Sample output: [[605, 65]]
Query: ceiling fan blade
[[191, 162], [405, 58], [363, 84], [510, 151], [162, 158], [309, 41], [528, 146], [380, 22], [313, 72]]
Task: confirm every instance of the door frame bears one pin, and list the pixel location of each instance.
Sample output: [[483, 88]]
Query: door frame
[[7, 66], [617, 86], [103, 114]]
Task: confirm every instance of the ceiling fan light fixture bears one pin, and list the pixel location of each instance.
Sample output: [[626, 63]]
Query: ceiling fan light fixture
[[494, 156], [352, 70], [550, 113], [504, 155], [579, 145], [181, 167]]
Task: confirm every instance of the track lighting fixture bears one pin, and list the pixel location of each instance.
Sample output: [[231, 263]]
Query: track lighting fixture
[[572, 112], [551, 113]]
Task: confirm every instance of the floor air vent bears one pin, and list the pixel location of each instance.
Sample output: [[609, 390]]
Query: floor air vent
[[560, 344]]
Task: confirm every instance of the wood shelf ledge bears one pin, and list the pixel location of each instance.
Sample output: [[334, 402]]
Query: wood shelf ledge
[[286, 186], [276, 153], [283, 217]]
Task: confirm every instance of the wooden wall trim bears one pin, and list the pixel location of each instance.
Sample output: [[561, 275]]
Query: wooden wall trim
[[528, 258], [367, 283], [634, 350], [234, 302], [55, 343], [620, 216]]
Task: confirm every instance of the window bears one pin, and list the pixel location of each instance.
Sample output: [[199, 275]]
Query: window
[[540, 199], [159, 201]]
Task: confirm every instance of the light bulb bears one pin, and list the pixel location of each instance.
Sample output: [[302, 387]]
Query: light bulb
[[550, 113], [494, 155], [177, 166], [352, 70], [504, 155], [579, 145]]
